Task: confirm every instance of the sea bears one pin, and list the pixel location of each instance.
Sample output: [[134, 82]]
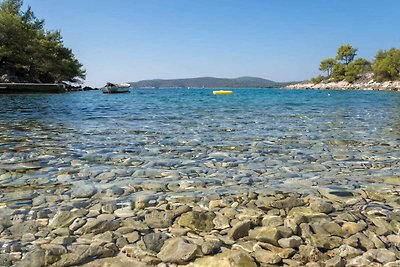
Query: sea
[[179, 143]]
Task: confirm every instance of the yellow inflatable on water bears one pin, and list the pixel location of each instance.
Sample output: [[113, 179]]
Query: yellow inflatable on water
[[222, 92]]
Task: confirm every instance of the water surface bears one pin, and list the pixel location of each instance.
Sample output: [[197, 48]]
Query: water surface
[[194, 143]]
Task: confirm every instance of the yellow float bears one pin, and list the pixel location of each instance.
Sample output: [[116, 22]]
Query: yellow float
[[222, 92]]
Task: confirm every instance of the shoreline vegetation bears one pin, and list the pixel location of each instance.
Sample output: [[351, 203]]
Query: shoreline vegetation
[[29, 53], [344, 72]]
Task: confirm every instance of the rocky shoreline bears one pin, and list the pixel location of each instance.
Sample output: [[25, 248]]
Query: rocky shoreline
[[272, 228], [343, 85]]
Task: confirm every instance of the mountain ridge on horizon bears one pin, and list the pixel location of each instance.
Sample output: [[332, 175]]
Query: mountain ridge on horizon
[[209, 82]]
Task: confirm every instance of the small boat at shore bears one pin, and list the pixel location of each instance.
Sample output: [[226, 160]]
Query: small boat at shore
[[112, 88], [223, 92]]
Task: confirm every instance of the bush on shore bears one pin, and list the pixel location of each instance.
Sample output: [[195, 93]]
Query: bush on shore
[[387, 65]]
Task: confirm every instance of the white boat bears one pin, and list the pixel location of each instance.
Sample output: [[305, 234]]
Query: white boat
[[112, 88]]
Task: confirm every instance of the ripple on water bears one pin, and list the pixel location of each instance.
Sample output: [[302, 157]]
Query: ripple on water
[[187, 143]]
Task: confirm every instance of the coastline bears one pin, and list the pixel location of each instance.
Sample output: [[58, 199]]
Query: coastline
[[370, 85]]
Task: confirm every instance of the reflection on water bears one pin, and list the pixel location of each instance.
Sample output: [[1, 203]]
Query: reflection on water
[[253, 139]]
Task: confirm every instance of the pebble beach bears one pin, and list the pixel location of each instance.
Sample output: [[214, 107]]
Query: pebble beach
[[175, 177]]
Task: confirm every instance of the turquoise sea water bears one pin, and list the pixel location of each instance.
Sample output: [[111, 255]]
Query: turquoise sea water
[[193, 142]]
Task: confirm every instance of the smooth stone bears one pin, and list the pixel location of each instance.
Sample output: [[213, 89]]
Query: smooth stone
[[364, 242], [267, 257], [335, 262], [384, 227], [66, 218], [342, 196], [53, 253], [19, 229], [63, 240], [381, 255], [306, 215], [230, 258], [34, 258], [359, 261], [288, 203], [395, 180], [114, 191], [351, 228], [331, 228], [253, 215], [326, 241], [5, 260], [39, 200], [272, 221], [220, 221], [198, 220], [64, 178], [140, 253], [155, 241], [348, 252], [121, 242], [144, 199], [159, 219], [239, 230], [106, 217], [290, 242], [217, 203], [394, 239], [108, 208], [98, 226], [322, 206], [77, 223], [135, 224], [248, 246], [132, 237], [124, 212], [284, 253], [86, 254], [61, 231], [106, 237], [393, 264], [308, 253], [28, 237], [83, 191], [177, 250], [265, 234]]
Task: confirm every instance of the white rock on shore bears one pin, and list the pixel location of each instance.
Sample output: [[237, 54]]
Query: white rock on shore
[[343, 85]]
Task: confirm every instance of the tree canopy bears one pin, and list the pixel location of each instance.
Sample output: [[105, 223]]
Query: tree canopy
[[327, 65], [387, 65], [346, 67], [31, 53], [346, 54]]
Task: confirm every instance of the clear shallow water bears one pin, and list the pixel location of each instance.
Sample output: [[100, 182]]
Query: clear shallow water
[[196, 143]]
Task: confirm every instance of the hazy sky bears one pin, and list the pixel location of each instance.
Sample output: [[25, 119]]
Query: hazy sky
[[130, 40]]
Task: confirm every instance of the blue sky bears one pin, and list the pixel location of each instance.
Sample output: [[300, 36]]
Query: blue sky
[[130, 40]]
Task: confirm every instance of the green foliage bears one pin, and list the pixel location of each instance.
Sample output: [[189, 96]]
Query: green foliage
[[317, 79], [356, 68], [339, 72], [30, 52], [327, 65], [346, 54], [387, 65]]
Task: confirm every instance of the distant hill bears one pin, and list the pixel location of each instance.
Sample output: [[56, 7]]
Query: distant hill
[[209, 82]]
